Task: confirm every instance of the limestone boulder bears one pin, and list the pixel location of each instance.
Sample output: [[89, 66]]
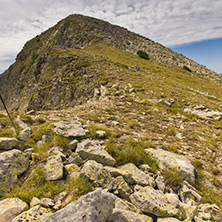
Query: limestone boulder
[[128, 216], [137, 175], [70, 128], [93, 150], [96, 173], [10, 208], [25, 134], [95, 206], [168, 160], [151, 201], [54, 168], [8, 143], [12, 164], [36, 213]]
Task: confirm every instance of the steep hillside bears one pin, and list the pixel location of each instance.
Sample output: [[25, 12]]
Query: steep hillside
[[50, 73]]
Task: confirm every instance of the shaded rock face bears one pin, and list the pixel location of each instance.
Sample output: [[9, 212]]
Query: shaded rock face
[[10, 208], [95, 206], [168, 160], [70, 128], [12, 164]]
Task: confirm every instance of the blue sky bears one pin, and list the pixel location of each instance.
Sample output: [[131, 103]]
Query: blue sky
[[208, 52], [168, 22]]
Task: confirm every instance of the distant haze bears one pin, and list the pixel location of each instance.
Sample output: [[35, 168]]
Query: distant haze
[[168, 22]]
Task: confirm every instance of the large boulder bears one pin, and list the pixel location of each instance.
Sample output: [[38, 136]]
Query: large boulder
[[12, 164], [93, 150], [95, 206], [8, 143], [96, 173], [168, 160], [137, 175], [151, 201], [54, 168], [128, 216], [10, 208], [36, 213], [70, 128]]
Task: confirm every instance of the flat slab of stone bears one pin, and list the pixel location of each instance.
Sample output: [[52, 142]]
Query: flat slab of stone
[[12, 164], [8, 143], [168, 160], [70, 128], [129, 216], [36, 213], [137, 175], [96, 206], [93, 150], [10, 208], [152, 201], [54, 168]]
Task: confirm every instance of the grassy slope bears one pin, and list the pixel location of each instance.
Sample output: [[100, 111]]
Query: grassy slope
[[151, 124]]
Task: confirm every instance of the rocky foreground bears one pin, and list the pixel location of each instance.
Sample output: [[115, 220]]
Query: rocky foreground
[[123, 193]]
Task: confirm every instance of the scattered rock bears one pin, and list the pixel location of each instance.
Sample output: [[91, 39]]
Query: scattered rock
[[73, 145], [70, 128], [47, 202], [121, 188], [97, 173], [211, 209], [54, 168], [137, 176], [21, 124], [8, 143], [156, 202], [25, 134], [75, 159], [12, 164], [57, 151], [100, 134], [73, 171], [36, 213], [169, 219], [10, 208], [115, 123], [128, 216], [35, 201], [93, 150], [188, 192], [168, 160], [103, 91], [95, 206]]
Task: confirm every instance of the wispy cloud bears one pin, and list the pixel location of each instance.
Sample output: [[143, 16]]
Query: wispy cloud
[[169, 22]]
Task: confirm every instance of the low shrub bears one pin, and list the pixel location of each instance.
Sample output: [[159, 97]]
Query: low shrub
[[142, 55]]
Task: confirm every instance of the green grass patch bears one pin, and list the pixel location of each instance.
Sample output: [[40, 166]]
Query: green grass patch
[[131, 152]]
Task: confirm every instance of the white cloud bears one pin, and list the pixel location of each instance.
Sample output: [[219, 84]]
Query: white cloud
[[169, 22]]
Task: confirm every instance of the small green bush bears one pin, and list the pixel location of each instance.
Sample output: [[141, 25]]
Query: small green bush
[[142, 55], [187, 68]]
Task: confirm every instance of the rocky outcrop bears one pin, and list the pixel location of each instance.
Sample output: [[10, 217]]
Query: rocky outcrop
[[204, 112], [168, 160], [8, 143], [95, 206], [12, 164], [10, 208]]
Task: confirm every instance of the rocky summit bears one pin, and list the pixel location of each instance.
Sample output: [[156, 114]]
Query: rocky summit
[[108, 126]]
